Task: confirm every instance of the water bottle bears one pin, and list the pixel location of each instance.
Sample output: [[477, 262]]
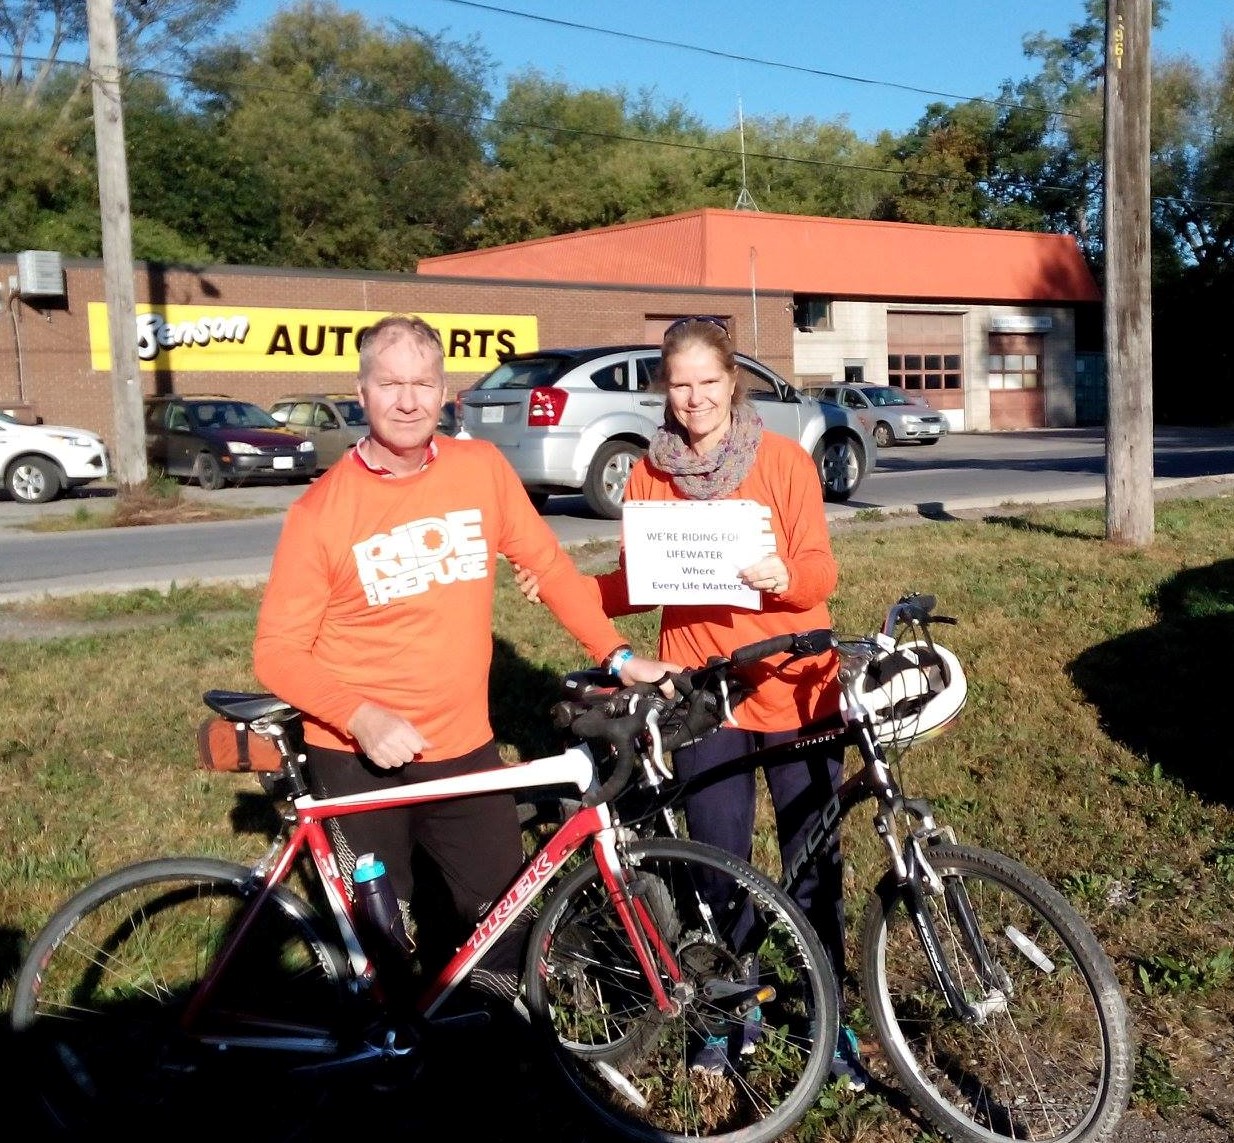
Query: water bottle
[[377, 910]]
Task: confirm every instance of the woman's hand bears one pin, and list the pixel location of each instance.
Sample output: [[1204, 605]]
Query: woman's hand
[[770, 575]]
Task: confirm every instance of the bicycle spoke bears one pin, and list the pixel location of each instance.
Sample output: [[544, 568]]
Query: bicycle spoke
[[728, 933], [1047, 1056]]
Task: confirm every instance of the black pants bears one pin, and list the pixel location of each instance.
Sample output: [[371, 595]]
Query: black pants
[[720, 805], [450, 860]]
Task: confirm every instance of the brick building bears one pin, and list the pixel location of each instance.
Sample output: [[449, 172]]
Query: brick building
[[981, 322]]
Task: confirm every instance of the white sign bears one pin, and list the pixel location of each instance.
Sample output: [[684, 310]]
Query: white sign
[[1022, 323], [690, 551]]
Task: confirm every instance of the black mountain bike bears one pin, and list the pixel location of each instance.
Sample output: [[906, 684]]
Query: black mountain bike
[[991, 998]]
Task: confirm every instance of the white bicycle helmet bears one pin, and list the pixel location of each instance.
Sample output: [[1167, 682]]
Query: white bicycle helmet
[[913, 692]]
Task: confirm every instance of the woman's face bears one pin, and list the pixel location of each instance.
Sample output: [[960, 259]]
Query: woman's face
[[700, 393]]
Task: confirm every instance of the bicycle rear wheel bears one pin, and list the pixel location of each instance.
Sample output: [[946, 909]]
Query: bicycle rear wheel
[[97, 1003], [1049, 1056], [730, 930]]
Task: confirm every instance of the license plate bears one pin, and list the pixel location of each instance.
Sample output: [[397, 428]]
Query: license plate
[[284, 462], [491, 413]]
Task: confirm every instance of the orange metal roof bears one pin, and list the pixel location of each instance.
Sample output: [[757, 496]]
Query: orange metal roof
[[841, 257]]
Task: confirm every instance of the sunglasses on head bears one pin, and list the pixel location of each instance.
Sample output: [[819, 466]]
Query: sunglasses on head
[[710, 319]]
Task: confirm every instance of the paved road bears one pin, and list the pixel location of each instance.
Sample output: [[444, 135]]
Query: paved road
[[964, 471]]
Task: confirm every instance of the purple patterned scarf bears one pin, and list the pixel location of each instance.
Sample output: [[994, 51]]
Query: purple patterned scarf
[[715, 475]]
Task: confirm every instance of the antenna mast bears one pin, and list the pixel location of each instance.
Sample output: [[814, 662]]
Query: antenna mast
[[745, 201]]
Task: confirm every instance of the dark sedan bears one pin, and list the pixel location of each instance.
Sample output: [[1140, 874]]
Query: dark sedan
[[218, 440]]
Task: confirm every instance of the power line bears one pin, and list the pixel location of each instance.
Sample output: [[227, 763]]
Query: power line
[[349, 98], [739, 58]]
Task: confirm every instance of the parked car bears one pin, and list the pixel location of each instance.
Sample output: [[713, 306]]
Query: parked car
[[41, 462], [890, 414], [216, 440], [332, 421], [335, 421], [579, 419]]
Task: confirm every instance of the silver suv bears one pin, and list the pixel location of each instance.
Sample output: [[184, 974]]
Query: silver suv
[[573, 420]]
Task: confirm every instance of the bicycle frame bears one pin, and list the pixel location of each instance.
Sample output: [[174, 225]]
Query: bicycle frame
[[908, 859], [305, 830]]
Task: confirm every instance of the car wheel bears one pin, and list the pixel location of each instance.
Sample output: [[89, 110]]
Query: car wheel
[[538, 500], [33, 480], [208, 472], [607, 476], [883, 436], [840, 461]]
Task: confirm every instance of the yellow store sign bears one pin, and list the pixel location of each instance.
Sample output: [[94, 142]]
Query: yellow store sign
[[252, 339]]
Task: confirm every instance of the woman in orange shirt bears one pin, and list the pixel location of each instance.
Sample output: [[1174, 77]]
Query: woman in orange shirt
[[713, 447]]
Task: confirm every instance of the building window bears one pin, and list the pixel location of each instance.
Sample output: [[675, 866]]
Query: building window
[[811, 312], [924, 371], [1015, 361]]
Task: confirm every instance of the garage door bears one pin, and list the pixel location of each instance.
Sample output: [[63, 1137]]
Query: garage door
[[1017, 390], [925, 356]]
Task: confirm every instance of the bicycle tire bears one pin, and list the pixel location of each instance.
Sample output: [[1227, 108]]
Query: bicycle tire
[[1051, 1056], [591, 1002], [97, 999]]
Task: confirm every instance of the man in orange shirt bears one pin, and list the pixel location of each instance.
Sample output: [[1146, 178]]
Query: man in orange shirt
[[376, 622]]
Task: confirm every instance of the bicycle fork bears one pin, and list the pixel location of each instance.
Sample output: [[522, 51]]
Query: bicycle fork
[[646, 939], [920, 881]]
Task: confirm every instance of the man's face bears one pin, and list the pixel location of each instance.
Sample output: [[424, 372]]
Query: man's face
[[402, 394]]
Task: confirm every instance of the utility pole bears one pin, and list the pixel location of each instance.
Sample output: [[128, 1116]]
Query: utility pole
[[1128, 295], [129, 454]]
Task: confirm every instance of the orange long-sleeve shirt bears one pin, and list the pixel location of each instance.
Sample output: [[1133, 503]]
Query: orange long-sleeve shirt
[[785, 479], [381, 590]]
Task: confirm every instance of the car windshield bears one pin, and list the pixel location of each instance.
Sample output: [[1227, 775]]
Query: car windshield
[[524, 374], [884, 397], [231, 415]]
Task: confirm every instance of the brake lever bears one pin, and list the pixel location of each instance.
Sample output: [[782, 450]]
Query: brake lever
[[656, 752]]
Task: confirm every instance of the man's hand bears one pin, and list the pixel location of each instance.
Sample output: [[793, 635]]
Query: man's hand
[[527, 581], [640, 670], [387, 739]]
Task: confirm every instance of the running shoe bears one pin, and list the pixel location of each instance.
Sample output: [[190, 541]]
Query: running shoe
[[846, 1065], [711, 1056]]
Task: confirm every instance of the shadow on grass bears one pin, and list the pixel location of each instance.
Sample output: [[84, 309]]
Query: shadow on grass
[[520, 698], [1162, 691], [1036, 527]]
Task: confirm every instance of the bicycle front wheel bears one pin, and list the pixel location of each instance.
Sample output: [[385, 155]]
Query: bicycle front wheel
[[1047, 1054], [728, 1061], [98, 1002]]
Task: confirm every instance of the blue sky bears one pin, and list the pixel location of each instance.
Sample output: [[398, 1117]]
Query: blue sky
[[959, 48]]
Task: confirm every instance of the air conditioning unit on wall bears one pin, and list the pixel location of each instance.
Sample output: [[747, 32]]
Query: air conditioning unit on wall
[[40, 274]]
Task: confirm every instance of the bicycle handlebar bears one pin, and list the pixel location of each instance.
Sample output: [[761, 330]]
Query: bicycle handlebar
[[604, 710], [700, 703]]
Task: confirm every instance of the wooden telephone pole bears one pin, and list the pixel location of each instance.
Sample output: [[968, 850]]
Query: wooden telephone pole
[[129, 453], [1128, 296]]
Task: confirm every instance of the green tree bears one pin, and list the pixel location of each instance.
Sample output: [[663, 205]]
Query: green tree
[[193, 199], [369, 134], [563, 160]]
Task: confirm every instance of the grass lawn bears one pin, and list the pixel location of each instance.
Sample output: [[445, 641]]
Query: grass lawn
[[1089, 748]]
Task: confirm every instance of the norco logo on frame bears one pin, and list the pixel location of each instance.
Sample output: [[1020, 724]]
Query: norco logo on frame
[[154, 333]]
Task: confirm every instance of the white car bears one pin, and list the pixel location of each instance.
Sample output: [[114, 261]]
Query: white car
[[40, 462], [892, 415]]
